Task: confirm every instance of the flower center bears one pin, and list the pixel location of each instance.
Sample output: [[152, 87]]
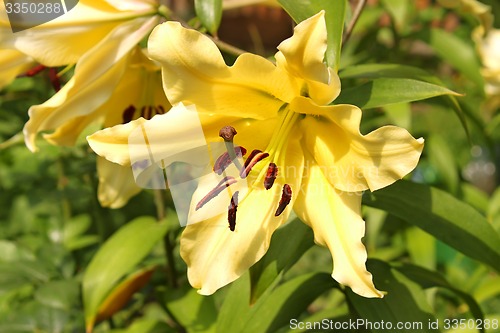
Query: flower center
[[146, 111], [146, 105], [266, 172]]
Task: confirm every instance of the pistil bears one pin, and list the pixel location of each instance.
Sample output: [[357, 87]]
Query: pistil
[[228, 133]]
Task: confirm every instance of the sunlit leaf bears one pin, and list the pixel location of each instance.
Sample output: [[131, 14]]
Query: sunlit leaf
[[122, 294], [398, 71], [384, 91], [288, 244], [117, 256], [237, 300], [195, 312]]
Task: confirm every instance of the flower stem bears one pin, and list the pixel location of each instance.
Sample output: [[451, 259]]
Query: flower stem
[[355, 16], [171, 273]]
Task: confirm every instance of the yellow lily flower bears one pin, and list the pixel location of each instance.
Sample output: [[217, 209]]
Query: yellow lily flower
[[131, 89], [108, 27], [313, 157]]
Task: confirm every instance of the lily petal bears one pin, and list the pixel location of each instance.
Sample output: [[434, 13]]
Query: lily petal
[[116, 184], [354, 162], [217, 256], [12, 63], [139, 79], [252, 88], [335, 217], [302, 56]]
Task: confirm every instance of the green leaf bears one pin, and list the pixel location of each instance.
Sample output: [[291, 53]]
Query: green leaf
[[196, 313], [383, 91], [210, 13], [236, 301], [275, 308], [377, 71], [440, 214], [443, 159], [421, 247], [455, 51], [300, 10], [146, 325], [117, 256], [61, 294], [405, 302], [428, 279], [288, 244], [288, 301]]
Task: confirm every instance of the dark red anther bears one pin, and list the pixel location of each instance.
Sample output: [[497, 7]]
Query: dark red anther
[[272, 172], [225, 182], [224, 160], [54, 79], [35, 70], [160, 109], [255, 157], [251, 156], [231, 211], [147, 112], [128, 114], [286, 196]]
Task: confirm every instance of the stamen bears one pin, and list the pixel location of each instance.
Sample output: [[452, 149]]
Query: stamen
[[128, 114], [271, 174], [160, 109], [35, 70], [286, 196], [231, 211], [255, 157], [54, 79], [224, 160], [225, 182]]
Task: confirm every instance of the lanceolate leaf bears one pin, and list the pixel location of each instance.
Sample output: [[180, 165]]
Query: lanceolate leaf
[[454, 50], [397, 71], [287, 246], [300, 10], [210, 13], [404, 304], [428, 279], [443, 216], [275, 308], [384, 91], [121, 252]]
